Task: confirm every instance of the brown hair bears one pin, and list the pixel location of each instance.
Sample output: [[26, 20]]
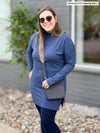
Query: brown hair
[[56, 32]]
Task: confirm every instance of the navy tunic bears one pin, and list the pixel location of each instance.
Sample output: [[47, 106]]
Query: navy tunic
[[59, 56]]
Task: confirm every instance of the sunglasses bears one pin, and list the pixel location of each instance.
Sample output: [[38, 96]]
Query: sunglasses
[[48, 18]]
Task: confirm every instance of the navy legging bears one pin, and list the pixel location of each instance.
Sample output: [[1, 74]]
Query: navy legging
[[47, 117]]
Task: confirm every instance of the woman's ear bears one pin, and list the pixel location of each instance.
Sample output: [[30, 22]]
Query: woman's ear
[[56, 19]]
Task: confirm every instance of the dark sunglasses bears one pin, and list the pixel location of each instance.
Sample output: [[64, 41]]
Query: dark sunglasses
[[48, 18]]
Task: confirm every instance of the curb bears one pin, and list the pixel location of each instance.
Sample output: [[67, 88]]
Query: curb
[[6, 129]]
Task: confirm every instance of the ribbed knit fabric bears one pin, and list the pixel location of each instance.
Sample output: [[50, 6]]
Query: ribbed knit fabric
[[59, 56]]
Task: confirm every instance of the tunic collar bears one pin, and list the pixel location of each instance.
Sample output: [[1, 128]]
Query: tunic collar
[[47, 33]]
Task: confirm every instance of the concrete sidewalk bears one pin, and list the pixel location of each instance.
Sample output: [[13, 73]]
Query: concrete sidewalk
[[6, 129]]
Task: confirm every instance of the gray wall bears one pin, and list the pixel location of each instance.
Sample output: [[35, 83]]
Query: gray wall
[[63, 12], [83, 88], [9, 77]]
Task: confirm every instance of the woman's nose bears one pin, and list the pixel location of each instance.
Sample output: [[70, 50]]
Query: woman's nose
[[45, 21]]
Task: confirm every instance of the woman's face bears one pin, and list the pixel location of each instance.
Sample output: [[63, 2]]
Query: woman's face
[[49, 21]]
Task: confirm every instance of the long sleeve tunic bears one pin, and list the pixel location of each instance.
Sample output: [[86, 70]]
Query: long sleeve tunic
[[59, 56]]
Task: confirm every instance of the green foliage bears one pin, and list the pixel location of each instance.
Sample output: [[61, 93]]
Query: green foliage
[[23, 25]]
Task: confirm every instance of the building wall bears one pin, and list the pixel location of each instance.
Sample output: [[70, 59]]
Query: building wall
[[63, 12], [83, 87], [6, 73], [9, 75]]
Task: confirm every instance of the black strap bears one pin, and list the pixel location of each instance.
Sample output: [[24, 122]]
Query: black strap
[[44, 70]]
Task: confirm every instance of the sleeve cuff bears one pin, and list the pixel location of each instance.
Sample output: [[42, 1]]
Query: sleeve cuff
[[49, 81]]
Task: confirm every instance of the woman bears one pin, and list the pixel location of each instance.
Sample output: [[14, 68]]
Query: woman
[[54, 47]]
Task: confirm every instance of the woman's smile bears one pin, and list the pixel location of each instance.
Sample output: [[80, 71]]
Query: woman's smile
[[47, 25]]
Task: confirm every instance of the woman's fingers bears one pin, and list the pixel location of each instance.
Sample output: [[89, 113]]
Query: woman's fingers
[[30, 75], [47, 87], [45, 84]]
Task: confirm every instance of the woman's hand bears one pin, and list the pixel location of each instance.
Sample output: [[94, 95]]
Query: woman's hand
[[45, 84], [30, 75]]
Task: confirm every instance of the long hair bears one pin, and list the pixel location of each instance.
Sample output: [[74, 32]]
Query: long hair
[[56, 32]]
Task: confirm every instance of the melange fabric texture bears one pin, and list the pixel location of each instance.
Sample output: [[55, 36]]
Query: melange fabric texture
[[59, 56]]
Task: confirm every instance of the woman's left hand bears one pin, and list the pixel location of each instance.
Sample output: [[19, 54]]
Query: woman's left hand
[[45, 84]]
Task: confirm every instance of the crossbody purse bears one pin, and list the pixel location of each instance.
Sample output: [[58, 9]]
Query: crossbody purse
[[55, 91]]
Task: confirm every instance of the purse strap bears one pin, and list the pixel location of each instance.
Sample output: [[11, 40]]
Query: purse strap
[[44, 70]]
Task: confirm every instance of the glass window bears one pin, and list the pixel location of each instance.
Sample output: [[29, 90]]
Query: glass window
[[92, 34], [4, 34], [88, 34]]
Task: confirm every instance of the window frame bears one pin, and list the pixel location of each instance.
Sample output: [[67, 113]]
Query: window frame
[[80, 65]]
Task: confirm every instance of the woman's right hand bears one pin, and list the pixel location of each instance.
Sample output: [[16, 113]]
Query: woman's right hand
[[30, 75]]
